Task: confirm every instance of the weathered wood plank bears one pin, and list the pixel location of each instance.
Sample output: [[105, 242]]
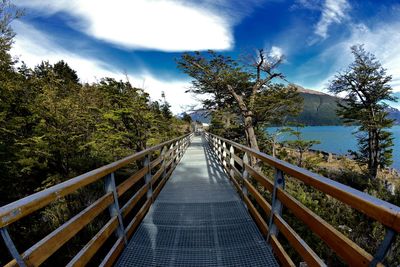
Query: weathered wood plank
[[157, 175], [134, 200], [131, 181], [262, 225], [43, 249], [20, 208], [113, 254], [155, 162], [87, 252], [280, 252], [238, 160], [298, 243], [236, 171], [258, 197], [382, 211], [343, 246], [264, 181], [130, 229]]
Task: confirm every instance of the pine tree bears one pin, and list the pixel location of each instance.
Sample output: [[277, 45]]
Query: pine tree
[[365, 86]]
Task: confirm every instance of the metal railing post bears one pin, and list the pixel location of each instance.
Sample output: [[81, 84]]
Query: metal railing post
[[114, 210], [164, 161], [219, 150], [215, 145], [231, 161], [171, 153], [147, 177], [224, 154], [383, 247], [11, 247], [276, 207], [245, 174]]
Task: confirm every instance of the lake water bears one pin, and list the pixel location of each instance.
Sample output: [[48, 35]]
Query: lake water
[[339, 139]]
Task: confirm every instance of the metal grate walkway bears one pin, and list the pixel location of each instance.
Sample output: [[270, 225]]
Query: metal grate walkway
[[197, 220]]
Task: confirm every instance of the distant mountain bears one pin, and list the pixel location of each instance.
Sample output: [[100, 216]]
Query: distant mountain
[[319, 109], [200, 116], [394, 114]]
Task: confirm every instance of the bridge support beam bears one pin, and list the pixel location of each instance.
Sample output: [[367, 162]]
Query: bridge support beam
[[384, 247], [224, 154], [109, 186], [231, 161], [276, 208], [147, 177], [11, 247], [245, 174]]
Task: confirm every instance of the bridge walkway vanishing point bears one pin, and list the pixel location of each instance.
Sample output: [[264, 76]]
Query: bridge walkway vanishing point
[[198, 220]]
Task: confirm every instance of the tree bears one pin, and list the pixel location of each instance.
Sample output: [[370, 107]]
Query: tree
[[235, 86], [365, 85], [186, 117], [273, 138], [299, 144]]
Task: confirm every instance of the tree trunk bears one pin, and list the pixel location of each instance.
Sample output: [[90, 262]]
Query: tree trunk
[[373, 157], [251, 136]]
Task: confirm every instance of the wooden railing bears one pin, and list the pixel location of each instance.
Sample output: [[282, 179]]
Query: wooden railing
[[154, 172], [240, 170]]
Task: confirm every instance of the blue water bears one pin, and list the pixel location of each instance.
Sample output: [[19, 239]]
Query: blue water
[[339, 139]]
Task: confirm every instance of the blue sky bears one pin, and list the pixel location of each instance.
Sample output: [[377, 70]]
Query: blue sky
[[140, 39]]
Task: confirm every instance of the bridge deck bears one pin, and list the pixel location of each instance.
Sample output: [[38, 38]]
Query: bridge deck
[[197, 220]]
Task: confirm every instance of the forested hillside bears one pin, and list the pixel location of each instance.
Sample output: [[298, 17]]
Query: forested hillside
[[54, 128], [318, 108]]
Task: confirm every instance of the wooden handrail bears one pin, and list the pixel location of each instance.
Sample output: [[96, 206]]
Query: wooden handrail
[[382, 211], [170, 151], [20, 208]]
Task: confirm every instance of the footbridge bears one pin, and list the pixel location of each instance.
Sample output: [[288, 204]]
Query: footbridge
[[195, 201]]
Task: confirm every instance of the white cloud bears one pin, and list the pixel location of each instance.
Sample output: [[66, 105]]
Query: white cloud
[[32, 46], [165, 25], [276, 52], [382, 40], [333, 11]]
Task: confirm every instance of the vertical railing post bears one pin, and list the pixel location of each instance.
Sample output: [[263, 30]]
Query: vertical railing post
[[224, 154], [164, 161], [219, 150], [215, 145], [176, 152], [171, 154], [276, 208], [383, 247], [147, 177], [245, 174], [11, 247], [179, 150], [231, 162], [114, 210]]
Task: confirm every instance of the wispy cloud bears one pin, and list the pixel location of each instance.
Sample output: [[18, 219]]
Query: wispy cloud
[[382, 40], [308, 4], [333, 11], [33, 46], [276, 52], [164, 25]]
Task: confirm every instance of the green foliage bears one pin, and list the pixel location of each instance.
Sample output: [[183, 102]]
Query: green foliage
[[186, 117], [318, 109], [366, 85], [244, 90], [299, 144], [53, 128]]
